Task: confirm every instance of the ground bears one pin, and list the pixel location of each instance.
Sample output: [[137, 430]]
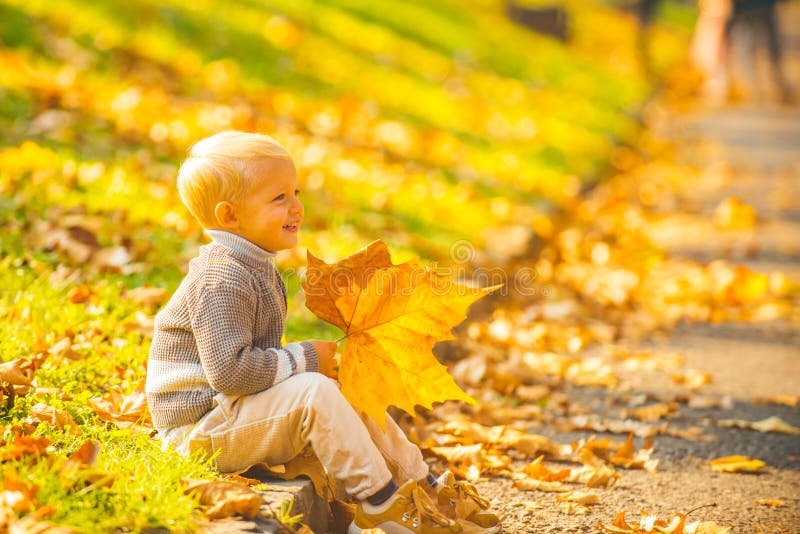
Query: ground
[[753, 153]]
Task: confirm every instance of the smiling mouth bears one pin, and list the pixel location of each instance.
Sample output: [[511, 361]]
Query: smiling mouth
[[292, 227]]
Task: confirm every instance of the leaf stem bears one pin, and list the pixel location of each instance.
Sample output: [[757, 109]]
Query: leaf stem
[[699, 507]]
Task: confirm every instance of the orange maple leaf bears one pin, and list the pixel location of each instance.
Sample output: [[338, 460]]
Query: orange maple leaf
[[391, 315]]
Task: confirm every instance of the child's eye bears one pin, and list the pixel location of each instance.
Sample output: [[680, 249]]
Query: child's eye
[[280, 197]]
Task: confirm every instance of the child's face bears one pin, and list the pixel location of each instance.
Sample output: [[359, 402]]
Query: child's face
[[271, 212]]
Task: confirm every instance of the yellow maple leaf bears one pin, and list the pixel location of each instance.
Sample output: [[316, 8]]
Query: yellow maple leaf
[[391, 315]]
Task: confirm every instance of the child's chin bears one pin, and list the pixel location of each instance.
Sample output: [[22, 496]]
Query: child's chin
[[289, 242]]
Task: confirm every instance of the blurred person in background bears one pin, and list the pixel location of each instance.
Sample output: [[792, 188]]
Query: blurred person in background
[[728, 37], [709, 47], [753, 24]]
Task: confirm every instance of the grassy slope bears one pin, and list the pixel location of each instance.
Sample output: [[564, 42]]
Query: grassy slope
[[422, 124]]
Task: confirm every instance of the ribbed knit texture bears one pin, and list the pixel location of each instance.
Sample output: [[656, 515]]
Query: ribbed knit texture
[[221, 332]]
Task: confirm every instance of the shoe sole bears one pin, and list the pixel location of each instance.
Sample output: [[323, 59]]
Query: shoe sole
[[395, 528]]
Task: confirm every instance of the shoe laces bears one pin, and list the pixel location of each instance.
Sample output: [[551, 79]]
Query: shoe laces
[[422, 506], [464, 490]]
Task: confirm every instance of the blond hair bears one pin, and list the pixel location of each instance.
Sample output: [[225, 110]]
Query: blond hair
[[216, 170]]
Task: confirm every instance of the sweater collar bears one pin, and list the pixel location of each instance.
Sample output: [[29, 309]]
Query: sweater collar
[[240, 245]]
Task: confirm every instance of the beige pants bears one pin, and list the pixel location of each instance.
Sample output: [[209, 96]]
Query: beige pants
[[275, 425]]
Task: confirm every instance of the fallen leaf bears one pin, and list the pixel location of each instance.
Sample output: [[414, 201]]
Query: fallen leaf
[[58, 418], [691, 378], [626, 457], [530, 484], [16, 494], [748, 286], [117, 408], [538, 471], [470, 472], [14, 373], [594, 477], [31, 525], [770, 424], [573, 508], [601, 448], [25, 446], [732, 213], [142, 323], [86, 454], [470, 371], [580, 497], [654, 412], [528, 505], [619, 525], [304, 464], [472, 454], [705, 527], [150, 297], [470, 461], [224, 499], [735, 464], [238, 479], [503, 437], [392, 315], [651, 524], [596, 423], [595, 473], [773, 503], [80, 294], [111, 259], [786, 400]]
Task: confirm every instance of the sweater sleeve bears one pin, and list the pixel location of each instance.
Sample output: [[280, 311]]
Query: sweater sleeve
[[223, 328]]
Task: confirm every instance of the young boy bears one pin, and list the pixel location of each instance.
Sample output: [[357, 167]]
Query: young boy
[[219, 380]]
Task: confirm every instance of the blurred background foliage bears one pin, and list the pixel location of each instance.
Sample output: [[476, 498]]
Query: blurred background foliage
[[420, 123], [416, 122]]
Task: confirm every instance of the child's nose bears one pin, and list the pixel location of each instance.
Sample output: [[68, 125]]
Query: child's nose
[[297, 206]]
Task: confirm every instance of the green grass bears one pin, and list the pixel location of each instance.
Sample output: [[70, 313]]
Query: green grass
[[422, 125], [133, 485]]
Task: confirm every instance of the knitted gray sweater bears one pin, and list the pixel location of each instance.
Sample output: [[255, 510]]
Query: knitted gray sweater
[[221, 332]]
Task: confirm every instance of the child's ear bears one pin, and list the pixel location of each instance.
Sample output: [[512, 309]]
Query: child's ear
[[225, 214]]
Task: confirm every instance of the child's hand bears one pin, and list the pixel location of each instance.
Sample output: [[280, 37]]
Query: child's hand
[[326, 354]]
